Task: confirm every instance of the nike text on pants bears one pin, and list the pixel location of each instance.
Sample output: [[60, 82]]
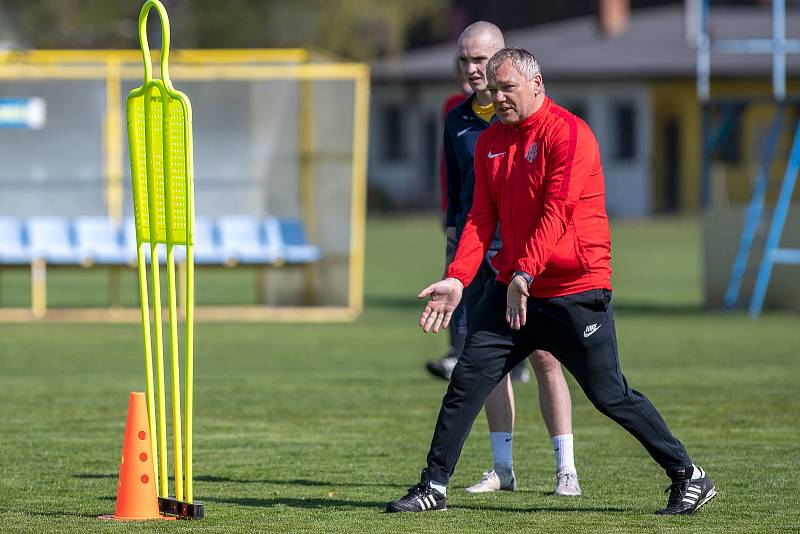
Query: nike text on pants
[[579, 330]]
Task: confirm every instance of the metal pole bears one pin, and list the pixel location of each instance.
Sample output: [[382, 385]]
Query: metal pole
[[703, 53], [776, 229], [703, 94], [705, 154], [779, 49]]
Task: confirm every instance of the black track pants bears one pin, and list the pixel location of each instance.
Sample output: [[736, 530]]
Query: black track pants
[[578, 330]]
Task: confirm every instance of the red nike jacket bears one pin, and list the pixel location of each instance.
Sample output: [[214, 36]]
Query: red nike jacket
[[543, 181]]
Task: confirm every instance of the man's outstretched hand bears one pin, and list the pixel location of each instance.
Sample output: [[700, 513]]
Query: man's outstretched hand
[[443, 297], [517, 303]]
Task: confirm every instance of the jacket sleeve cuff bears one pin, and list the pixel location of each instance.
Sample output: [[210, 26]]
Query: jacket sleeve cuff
[[452, 273], [527, 265]]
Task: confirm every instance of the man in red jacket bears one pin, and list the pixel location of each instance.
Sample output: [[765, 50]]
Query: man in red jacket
[[538, 173]]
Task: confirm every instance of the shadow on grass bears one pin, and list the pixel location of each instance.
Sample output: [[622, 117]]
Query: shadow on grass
[[534, 509], [296, 482], [654, 308], [294, 502], [55, 513], [277, 482], [321, 503]]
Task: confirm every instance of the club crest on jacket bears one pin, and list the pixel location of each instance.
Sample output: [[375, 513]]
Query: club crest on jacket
[[531, 155]]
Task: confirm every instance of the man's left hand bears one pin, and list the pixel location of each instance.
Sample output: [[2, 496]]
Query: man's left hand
[[517, 302]]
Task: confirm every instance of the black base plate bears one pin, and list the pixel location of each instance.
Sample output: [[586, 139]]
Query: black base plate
[[184, 510]]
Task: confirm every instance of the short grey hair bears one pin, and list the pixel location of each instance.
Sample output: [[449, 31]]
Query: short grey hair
[[523, 61]]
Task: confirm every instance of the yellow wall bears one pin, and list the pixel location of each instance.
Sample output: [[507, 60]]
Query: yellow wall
[[677, 99], [733, 181]]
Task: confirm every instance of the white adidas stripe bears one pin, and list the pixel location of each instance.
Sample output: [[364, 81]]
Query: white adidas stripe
[[426, 502], [691, 498]]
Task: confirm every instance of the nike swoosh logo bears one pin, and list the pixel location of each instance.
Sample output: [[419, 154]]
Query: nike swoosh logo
[[492, 155], [591, 329], [508, 439], [462, 132]]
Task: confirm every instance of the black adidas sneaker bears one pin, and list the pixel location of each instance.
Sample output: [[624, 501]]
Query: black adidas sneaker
[[686, 496], [420, 498]]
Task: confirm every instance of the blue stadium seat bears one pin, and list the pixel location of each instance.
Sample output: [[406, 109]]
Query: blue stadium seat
[[243, 240], [129, 241], [296, 248], [206, 248], [50, 239], [129, 246], [12, 244], [98, 241]]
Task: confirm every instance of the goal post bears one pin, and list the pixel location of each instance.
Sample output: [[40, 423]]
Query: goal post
[[278, 134]]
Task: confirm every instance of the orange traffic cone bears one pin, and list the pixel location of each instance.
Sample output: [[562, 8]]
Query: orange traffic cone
[[136, 493]]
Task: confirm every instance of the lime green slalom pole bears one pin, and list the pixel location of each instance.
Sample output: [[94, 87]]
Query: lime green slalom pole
[[174, 200], [148, 354], [160, 139], [189, 494], [155, 276]]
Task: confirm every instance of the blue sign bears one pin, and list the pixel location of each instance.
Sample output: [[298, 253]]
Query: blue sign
[[30, 113]]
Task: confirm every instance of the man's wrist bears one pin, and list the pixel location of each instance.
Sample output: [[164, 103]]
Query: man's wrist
[[456, 279], [525, 276]]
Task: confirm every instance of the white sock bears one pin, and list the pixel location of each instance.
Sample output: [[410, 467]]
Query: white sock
[[438, 486], [696, 473], [565, 461], [502, 449]]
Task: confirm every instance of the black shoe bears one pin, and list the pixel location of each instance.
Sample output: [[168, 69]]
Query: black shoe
[[686, 496], [442, 368], [420, 498]]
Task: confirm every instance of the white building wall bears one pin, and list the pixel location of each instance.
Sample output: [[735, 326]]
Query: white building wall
[[411, 181], [628, 180]]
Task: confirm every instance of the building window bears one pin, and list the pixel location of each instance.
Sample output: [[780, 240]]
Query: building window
[[432, 142], [625, 131], [577, 108], [730, 145], [393, 147]]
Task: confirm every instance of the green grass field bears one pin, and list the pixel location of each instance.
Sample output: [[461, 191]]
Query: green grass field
[[308, 428]]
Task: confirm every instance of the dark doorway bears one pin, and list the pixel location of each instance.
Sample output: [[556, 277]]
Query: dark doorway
[[431, 141], [672, 166]]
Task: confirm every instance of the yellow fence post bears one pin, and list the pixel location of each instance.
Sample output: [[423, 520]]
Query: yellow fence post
[[38, 288], [113, 141], [307, 185], [358, 209]]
